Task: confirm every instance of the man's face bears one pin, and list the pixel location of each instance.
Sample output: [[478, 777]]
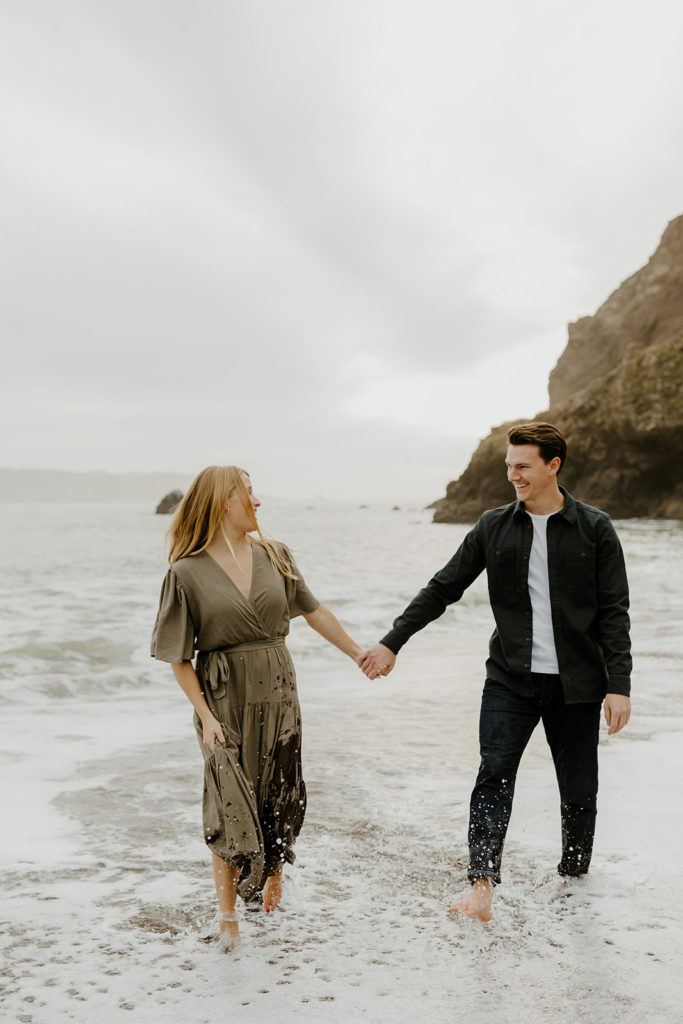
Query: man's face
[[530, 476]]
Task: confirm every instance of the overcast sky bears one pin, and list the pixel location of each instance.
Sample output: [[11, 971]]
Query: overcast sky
[[334, 242]]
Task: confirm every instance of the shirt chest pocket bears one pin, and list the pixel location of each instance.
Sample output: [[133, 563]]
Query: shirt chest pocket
[[500, 569], [579, 571]]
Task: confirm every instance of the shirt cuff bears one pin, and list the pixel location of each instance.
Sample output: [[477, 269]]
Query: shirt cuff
[[619, 684], [392, 641]]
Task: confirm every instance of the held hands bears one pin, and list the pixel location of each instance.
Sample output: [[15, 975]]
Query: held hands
[[377, 661], [617, 712]]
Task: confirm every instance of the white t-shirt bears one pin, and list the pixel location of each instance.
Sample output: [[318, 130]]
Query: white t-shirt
[[543, 653]]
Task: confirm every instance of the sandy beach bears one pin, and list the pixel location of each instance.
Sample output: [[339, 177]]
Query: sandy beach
[[108, 903], [114, 913]]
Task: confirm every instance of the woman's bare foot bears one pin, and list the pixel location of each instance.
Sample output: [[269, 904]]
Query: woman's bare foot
[[226, 877], [272, 892], [229, 935], [477, 902]]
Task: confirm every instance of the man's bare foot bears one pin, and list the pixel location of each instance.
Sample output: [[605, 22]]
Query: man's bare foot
[[477, 902], [272, 892], [229, 935]]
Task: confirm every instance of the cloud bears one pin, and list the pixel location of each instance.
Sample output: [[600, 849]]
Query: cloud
[[301, 221]]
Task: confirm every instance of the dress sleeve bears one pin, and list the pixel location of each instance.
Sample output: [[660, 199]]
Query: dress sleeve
[[173, 634], [299, 598]]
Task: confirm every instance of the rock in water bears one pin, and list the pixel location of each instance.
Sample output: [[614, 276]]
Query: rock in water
[[168, 502], [616, 394]]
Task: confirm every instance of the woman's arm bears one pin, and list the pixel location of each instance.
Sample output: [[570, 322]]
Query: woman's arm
[[189, 684], [324, 622]]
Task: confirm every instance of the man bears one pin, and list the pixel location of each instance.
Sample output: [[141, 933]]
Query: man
[[559, 595]]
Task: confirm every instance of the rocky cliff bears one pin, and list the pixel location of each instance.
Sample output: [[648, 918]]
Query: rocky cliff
[[616, 393]]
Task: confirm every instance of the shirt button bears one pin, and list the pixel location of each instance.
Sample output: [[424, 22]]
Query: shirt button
[[526, 666], [528, 639]]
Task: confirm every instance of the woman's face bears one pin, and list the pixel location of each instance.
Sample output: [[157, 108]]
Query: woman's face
[[238, 515]]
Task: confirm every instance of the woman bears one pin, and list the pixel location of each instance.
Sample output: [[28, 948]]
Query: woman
[[230, 596]]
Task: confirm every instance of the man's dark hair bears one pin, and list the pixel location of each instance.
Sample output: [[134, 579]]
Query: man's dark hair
[[545, 436]]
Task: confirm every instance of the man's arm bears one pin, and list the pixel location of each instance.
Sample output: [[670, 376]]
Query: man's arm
[[446, 587], [614, 625], [613, 602]]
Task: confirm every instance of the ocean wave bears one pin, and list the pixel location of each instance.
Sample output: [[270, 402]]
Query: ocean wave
[[59, 654], [25, 688]]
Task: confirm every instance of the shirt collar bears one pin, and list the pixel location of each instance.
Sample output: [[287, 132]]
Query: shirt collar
[[568, 510]]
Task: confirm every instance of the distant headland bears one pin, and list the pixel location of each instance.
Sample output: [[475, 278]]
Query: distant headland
[[617, 395]]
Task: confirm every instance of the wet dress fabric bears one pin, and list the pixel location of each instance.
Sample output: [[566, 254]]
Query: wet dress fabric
[[254, 794]]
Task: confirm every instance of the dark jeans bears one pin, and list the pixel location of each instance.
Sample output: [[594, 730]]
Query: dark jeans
[[506, 723]]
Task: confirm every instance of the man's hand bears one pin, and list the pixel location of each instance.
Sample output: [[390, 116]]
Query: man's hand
[[617, 711], [377, 661]]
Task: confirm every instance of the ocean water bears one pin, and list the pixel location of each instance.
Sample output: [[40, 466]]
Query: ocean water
[[80, 585], [108, 908]]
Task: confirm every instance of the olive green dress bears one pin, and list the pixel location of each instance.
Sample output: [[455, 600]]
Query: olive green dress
[[254, 794]]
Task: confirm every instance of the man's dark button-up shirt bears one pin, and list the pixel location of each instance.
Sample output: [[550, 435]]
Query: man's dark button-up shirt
[[588, 598]]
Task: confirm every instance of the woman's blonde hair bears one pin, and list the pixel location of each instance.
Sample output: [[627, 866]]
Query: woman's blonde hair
[[199, 516]]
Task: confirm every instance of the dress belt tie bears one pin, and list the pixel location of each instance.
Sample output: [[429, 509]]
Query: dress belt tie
[[213, 667]]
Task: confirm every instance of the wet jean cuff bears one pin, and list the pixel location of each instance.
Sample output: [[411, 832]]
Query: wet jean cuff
[[474, 873]]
